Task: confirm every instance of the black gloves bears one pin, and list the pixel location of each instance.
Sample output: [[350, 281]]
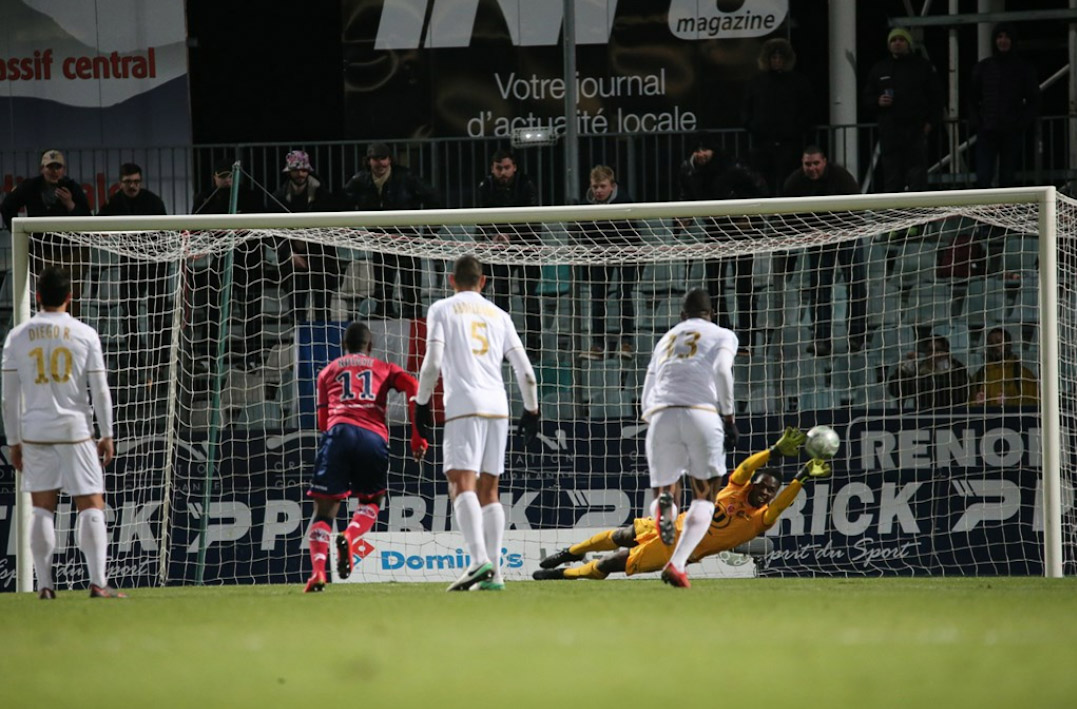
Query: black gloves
[[424, 420], [732, 435], [528, 425]]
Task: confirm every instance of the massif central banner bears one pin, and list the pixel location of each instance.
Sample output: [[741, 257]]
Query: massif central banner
[[479, 68], [955, 495], [104, 81]]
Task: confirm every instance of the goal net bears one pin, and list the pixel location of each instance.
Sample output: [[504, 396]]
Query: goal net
[[935, 332]]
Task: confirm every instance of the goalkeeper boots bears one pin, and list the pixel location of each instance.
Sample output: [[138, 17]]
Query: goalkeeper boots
[[316, 583], [105, 592], [345, 560], [472, 577], [675, 577], [46, 594], [548, 574], [666, 529], [558, 558]]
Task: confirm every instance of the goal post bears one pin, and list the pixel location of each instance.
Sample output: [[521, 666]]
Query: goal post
[[215, 326]]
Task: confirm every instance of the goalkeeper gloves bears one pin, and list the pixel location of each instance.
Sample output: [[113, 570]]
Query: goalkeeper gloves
[[424, 420], [418, 445], [732, 435], [790, 441], [528, 425], [816, 469]]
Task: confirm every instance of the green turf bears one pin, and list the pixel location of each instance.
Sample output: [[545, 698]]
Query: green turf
[[919, 643]]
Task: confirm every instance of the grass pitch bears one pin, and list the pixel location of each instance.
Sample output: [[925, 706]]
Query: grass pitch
[[834, 643]]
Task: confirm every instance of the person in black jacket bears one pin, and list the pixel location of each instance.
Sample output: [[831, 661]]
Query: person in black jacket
[[306, 267], [248, 269], [384, 185], [146, 280], [1004, 103], [51, 194], [505, 186], [816, 177], [777, 112], [708, 173], [903, 92], [605, 190]]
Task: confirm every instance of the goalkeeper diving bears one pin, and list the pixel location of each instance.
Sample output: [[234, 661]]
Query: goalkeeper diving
[[746, 507]]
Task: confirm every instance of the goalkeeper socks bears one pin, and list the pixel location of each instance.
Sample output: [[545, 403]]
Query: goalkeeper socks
[[603, 541], [42, 544], [587, 571], [493, 530], [362, 522], [654, 510], [696, 523], [468, 517], [320, 532], [93, 542]]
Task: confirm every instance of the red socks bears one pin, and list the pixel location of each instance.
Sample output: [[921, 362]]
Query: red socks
[[319, 546], [362, 521]]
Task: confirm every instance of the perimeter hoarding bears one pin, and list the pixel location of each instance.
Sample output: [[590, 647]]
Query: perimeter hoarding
[[947, 494]]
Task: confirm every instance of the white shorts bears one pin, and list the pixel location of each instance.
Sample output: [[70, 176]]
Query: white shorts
[[71, 467], [475, 443], [685, 440]]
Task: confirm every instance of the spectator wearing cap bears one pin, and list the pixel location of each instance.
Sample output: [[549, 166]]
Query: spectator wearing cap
[[306, 268], [248, 270], [902, 92], [506, 186], [777, 111], [51, 194], [143, 281], [384, 185], [706, 174], [1004, 103]]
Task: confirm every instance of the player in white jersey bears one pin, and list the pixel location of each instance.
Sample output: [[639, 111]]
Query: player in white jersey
[[51, 364], [467, 339], [688, 402]]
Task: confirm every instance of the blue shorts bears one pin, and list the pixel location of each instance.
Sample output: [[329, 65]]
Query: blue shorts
[[351, 460]]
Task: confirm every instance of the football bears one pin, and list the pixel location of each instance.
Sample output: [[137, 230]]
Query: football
[[822, 442]]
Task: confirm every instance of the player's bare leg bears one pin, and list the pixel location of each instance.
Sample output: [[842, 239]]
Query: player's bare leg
[[321, 530], [468, 514], [93, 543], [696, 523], [43, 539]]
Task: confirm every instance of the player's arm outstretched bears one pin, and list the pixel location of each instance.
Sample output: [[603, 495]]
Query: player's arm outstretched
[[788, 446], [813, 469]]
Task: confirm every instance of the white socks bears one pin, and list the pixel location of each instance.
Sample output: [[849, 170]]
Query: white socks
[[469, 519], [493, 530], [93, 542], [42, 544], [696, 523]]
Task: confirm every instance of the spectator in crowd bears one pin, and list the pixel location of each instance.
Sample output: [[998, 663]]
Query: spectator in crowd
[[777, 112], [141, 281], [51, 194], [903, 92], [931, 377], [710, 174], [248, 266], [506, 186], [605, 190], [1004, 102], [307, 268], [817, 177], [1003, 381], [384, 185]]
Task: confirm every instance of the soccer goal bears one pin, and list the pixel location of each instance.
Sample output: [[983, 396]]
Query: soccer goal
[[936, 332]]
